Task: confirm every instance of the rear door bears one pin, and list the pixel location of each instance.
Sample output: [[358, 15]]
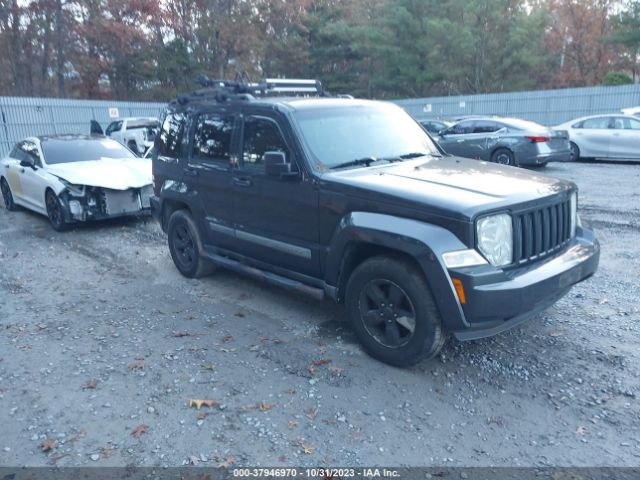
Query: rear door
[[211, 161]]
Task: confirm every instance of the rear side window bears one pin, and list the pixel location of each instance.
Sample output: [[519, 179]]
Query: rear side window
[[483, 126], [168, 141], [212, 138]]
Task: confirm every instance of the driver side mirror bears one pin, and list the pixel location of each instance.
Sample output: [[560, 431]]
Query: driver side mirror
[[28, 162], [275, 165]]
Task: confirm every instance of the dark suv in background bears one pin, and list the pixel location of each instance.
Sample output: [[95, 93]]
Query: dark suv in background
[[351, 200]]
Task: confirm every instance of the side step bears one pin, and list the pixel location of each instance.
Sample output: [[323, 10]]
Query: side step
[[269, 277]]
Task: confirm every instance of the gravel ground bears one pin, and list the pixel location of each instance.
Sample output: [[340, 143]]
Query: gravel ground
[[103, 346]]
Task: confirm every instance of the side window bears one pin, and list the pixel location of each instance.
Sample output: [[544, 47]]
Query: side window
[[632, 124], [261, 136], [113, 127], [170, 136], [484, 126], [600, 122], [29, 149], [461, 128], [212, 138]]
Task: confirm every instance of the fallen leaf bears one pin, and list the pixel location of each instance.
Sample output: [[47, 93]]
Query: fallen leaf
[[106, 452], [139, 365], [48, 445], [201, 416], [197, 403], [311, 369], [227, 462], [335, 369], [209, 366], [90, 384], [323, 361], [139, 430], [581, 430], [308, 449], [311, 413], [292, 424], [264, 407], [226, 338]]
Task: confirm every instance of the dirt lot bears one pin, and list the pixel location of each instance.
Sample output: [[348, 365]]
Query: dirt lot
[[103, 344]]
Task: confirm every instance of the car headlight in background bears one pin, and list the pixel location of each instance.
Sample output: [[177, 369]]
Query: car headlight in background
[[574, 213], [495, 238]]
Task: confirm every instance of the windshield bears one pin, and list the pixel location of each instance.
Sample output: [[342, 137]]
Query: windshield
[[82, 150], [338, 135]]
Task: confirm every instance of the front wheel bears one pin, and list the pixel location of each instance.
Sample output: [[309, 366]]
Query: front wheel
[[393, 312], [55, 212], [7, 196], [185, 246], [503, 157]]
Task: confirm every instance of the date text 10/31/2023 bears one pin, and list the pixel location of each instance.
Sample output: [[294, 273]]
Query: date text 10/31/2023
[[316, 472]]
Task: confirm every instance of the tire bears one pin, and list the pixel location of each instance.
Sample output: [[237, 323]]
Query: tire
[[503, 156], [185, 246], [7, 196], [380, 292], [55, 212], [575, 152]]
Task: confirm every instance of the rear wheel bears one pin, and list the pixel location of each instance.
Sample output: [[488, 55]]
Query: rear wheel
[[503, 156], [575, 152], [7, 196], [55, 212], [185, 246], [393, 312]]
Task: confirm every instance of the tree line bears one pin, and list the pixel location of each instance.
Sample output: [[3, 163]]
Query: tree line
[[152, 49]]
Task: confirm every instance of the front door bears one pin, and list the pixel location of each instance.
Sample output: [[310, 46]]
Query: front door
[[276, 217]]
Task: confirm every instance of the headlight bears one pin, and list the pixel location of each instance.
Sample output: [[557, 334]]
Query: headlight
[[74, 190], [574, 213], [495, 238]]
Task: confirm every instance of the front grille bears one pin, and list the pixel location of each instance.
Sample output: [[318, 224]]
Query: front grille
[[541, 232]]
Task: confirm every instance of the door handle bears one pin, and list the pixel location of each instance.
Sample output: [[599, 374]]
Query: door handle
[[190, 172], [242, 181]]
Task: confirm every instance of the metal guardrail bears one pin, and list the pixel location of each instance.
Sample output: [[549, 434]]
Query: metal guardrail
[[548, 107], [22, 117]]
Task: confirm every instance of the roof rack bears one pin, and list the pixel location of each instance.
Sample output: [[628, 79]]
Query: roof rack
[[240, 89]]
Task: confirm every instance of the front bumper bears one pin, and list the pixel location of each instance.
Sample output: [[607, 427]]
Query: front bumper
[[497, 300]]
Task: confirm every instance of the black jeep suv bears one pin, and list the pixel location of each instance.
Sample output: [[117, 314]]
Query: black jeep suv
[[351, 200]]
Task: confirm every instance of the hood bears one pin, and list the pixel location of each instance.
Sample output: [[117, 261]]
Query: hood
[[115, 174], [458, 185]]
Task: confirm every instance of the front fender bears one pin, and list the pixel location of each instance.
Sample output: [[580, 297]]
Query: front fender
[[422, 241]]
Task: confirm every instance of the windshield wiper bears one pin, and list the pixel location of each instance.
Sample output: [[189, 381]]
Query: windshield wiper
[[408, 156], [354, 163]]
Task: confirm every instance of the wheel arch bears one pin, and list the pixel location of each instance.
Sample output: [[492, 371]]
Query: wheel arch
[[169, 206], [363, 235]]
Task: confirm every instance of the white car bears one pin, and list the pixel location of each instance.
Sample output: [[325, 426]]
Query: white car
[[612, 137], [74, 178], [138, 134], [631, 111]]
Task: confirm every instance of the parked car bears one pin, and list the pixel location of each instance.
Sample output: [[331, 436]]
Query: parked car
[[137, 134], [508, 141], [75, 178], [352, 200], [612, 137], [631, 111], [434, 127]]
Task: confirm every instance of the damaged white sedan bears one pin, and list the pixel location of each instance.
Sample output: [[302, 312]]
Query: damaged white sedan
[[75, 178]]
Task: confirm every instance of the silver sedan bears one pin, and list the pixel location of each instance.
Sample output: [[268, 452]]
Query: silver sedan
[[613, 137]]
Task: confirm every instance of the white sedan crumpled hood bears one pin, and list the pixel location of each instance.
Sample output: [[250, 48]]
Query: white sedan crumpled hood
[[116, 174]]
